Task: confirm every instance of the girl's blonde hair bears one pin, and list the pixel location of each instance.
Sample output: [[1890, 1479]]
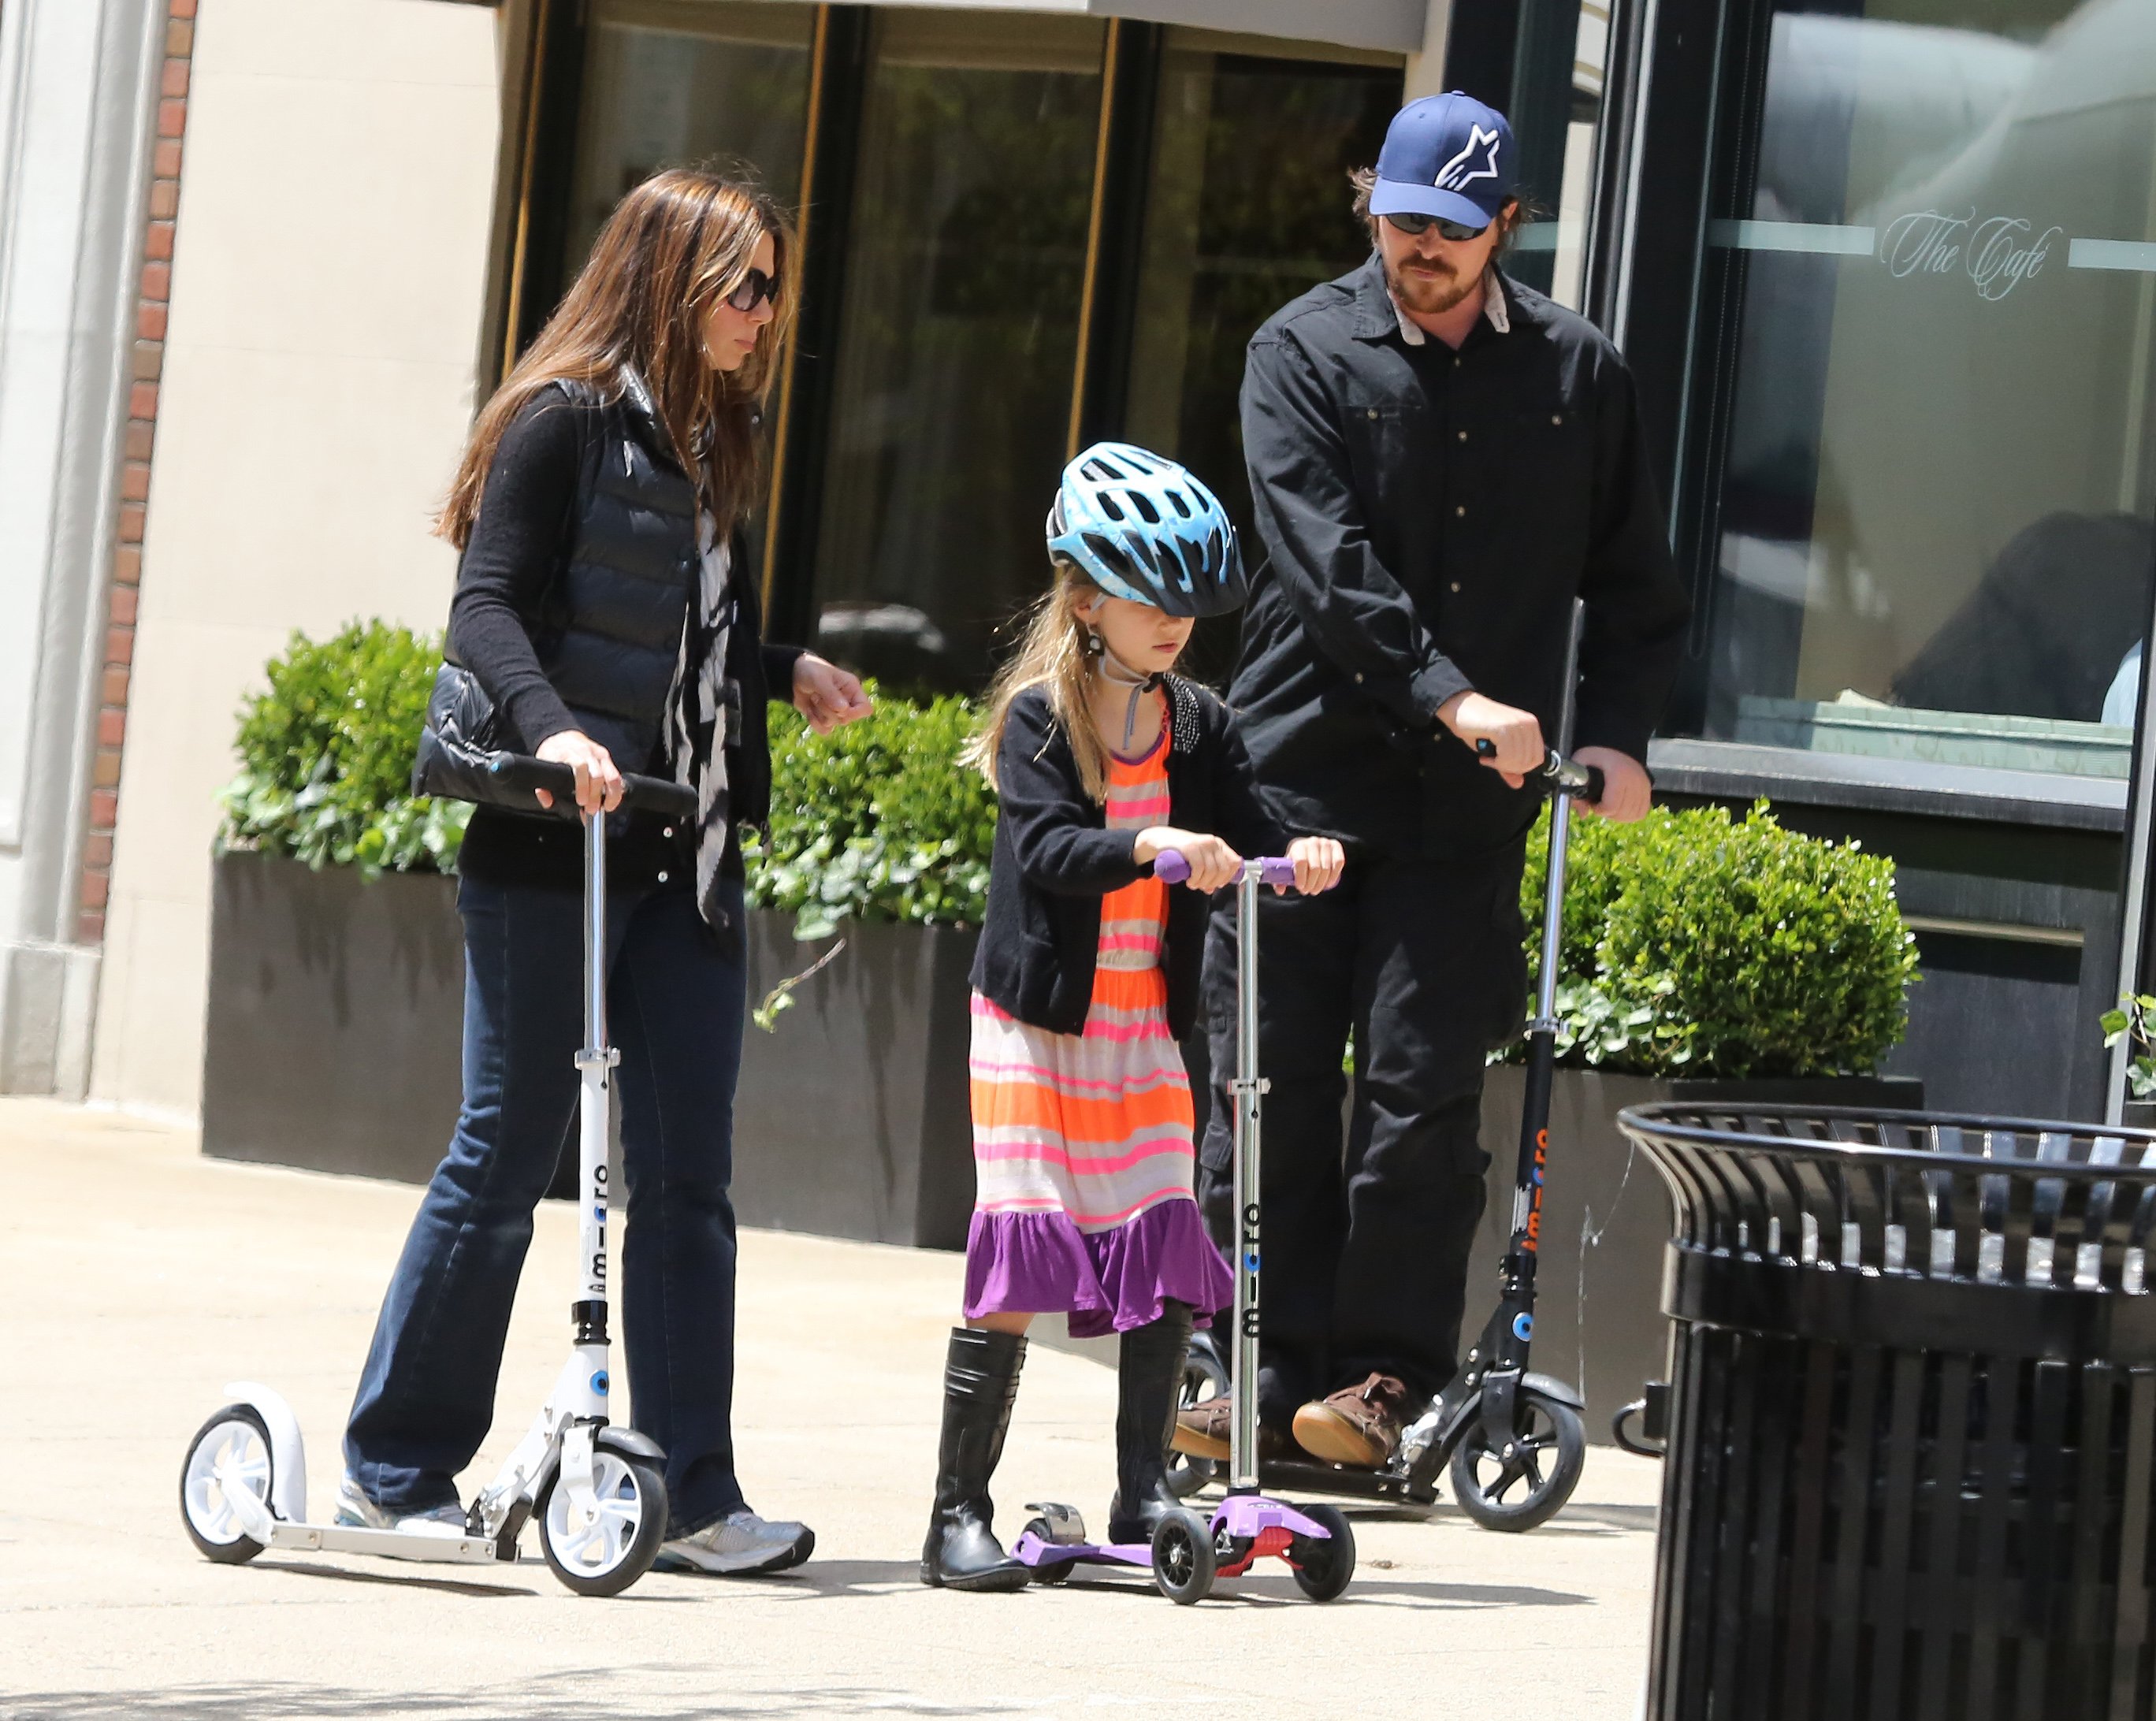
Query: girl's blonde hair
[[1051, 655], [673, 247]]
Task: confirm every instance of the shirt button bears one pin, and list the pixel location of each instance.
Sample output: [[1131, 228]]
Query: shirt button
[[1456, 585], [669, 830], [1373, 412], [1358, 678], [662, 878], [1557, 418], [1460, 512], [1463, 436], [1456, 364]]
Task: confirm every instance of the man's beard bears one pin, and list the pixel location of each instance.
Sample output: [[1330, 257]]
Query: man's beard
[[1428, 295]]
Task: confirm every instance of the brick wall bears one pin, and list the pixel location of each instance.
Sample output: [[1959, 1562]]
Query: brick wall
[[154, 292]]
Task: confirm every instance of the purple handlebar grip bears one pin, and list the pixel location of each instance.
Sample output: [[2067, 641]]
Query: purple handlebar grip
[[1170, 868]]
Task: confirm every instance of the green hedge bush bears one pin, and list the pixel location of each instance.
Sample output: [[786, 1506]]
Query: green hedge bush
[[878, 821], [1695, 944], [326, 757]]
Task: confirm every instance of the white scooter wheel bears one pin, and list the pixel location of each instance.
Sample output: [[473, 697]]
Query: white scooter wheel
[[607, 1555], [230, 1451]]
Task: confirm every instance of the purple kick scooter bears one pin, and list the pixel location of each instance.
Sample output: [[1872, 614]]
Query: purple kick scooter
[[1189, 1550]]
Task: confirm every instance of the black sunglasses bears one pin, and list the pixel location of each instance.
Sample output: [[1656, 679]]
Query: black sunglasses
[[1414, 226], [756, 287]]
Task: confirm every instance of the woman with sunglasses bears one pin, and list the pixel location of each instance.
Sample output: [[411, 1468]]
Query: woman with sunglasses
[[603, 605]]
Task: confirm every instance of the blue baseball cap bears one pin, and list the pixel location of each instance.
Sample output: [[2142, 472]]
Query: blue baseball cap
[[1448, 155]]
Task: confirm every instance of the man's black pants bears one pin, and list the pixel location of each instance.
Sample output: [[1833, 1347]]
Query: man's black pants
[[1365, 1254]]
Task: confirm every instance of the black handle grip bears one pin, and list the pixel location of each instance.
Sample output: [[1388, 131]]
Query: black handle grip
[[1554, 770], [652, 795]]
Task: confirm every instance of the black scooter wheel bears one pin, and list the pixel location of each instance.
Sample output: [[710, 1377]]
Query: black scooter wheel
[[1182, 1565], [1049, 1571], [1516, 1489], [1204, 1377], [1324, 1565]]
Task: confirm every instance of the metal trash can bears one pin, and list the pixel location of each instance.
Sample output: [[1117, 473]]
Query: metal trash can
[[1911, 1418]]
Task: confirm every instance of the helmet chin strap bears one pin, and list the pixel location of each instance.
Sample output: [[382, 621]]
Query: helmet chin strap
[[1112, 670]]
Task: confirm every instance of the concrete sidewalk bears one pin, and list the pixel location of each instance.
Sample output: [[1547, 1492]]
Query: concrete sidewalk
[[142, 1277]]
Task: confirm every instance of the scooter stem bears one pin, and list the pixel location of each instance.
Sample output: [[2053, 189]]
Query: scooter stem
[[1248, 1090], [595, 1063]]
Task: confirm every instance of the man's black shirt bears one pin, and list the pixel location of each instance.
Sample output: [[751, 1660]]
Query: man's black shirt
[[1428, 517]]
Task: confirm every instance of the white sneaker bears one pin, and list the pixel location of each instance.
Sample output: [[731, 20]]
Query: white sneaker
[[738, 1544], [356, 1511]]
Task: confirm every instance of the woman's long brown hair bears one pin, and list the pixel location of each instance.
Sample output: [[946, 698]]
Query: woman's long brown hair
[[673, 248]]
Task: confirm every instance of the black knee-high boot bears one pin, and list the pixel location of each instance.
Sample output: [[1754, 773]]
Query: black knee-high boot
[[1149, 1383], [980, 1385]]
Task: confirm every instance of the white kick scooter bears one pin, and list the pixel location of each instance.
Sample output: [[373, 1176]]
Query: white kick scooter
[[599, 1490]]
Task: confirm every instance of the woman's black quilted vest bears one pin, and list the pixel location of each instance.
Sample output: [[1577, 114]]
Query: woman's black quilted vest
[[610, 635]]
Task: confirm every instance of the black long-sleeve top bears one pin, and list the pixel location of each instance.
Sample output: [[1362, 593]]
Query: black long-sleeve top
[[526, 518], [1428, 517], [1055, 858]]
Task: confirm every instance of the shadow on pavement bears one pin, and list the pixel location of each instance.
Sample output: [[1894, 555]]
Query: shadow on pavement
[[399, 1580], [1282, 1591], [590, 1699]]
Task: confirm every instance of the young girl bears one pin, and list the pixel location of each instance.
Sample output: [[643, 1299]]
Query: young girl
[[1088, 977]]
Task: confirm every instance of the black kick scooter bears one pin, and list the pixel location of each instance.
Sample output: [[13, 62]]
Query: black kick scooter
[[1513, 1438]]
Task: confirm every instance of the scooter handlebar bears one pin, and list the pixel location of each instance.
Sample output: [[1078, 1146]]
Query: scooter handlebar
[[652, 795], [1565, 776], [1170, 868]]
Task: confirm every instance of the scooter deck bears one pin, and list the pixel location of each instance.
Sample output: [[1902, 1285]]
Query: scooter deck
[[1297, 1476], [391, 1545], [1030, 1549]]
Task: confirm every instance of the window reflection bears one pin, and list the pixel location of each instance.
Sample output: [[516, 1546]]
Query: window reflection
[[1247, 207], [957, 338], [679, 83], [1933, 535]]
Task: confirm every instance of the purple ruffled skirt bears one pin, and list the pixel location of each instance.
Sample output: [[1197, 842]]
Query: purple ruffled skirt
[[1108, 1281]]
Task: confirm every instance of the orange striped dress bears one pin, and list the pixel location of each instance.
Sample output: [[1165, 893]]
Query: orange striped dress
[[1082, 1142]]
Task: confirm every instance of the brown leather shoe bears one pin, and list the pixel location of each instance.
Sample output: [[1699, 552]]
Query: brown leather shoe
[[1202, 1432], [1358, 1425]]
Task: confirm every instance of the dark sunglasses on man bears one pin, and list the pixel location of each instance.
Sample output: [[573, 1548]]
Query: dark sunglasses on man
[[756, 287], [1415, 226]]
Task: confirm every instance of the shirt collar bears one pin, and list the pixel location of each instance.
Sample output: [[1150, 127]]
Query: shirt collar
[[1494, 310]]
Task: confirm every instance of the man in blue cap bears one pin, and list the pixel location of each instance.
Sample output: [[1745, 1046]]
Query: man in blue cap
[[1441, 460]]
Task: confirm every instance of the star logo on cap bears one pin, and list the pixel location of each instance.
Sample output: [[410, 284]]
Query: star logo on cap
[[1462, 168]]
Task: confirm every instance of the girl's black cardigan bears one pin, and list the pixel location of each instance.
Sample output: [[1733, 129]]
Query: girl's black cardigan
[[1055, 858]]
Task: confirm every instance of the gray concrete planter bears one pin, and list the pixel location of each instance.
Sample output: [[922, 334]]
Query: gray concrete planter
[[1599, 1323], [335, 1015], [852, 1118]]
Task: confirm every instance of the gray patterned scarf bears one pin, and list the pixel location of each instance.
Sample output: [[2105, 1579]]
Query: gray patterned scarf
[[702, 701]]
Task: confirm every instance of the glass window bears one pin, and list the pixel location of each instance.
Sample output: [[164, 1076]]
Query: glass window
[[1247, 206], [1930, 499], [683, 82], [1552, 254], [957, 340]]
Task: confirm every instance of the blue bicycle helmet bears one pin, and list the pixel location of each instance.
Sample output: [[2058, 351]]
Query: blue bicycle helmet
[[1143, 528]]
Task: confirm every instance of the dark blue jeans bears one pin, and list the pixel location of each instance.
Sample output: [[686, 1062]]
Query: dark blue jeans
[[675, 1008]]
